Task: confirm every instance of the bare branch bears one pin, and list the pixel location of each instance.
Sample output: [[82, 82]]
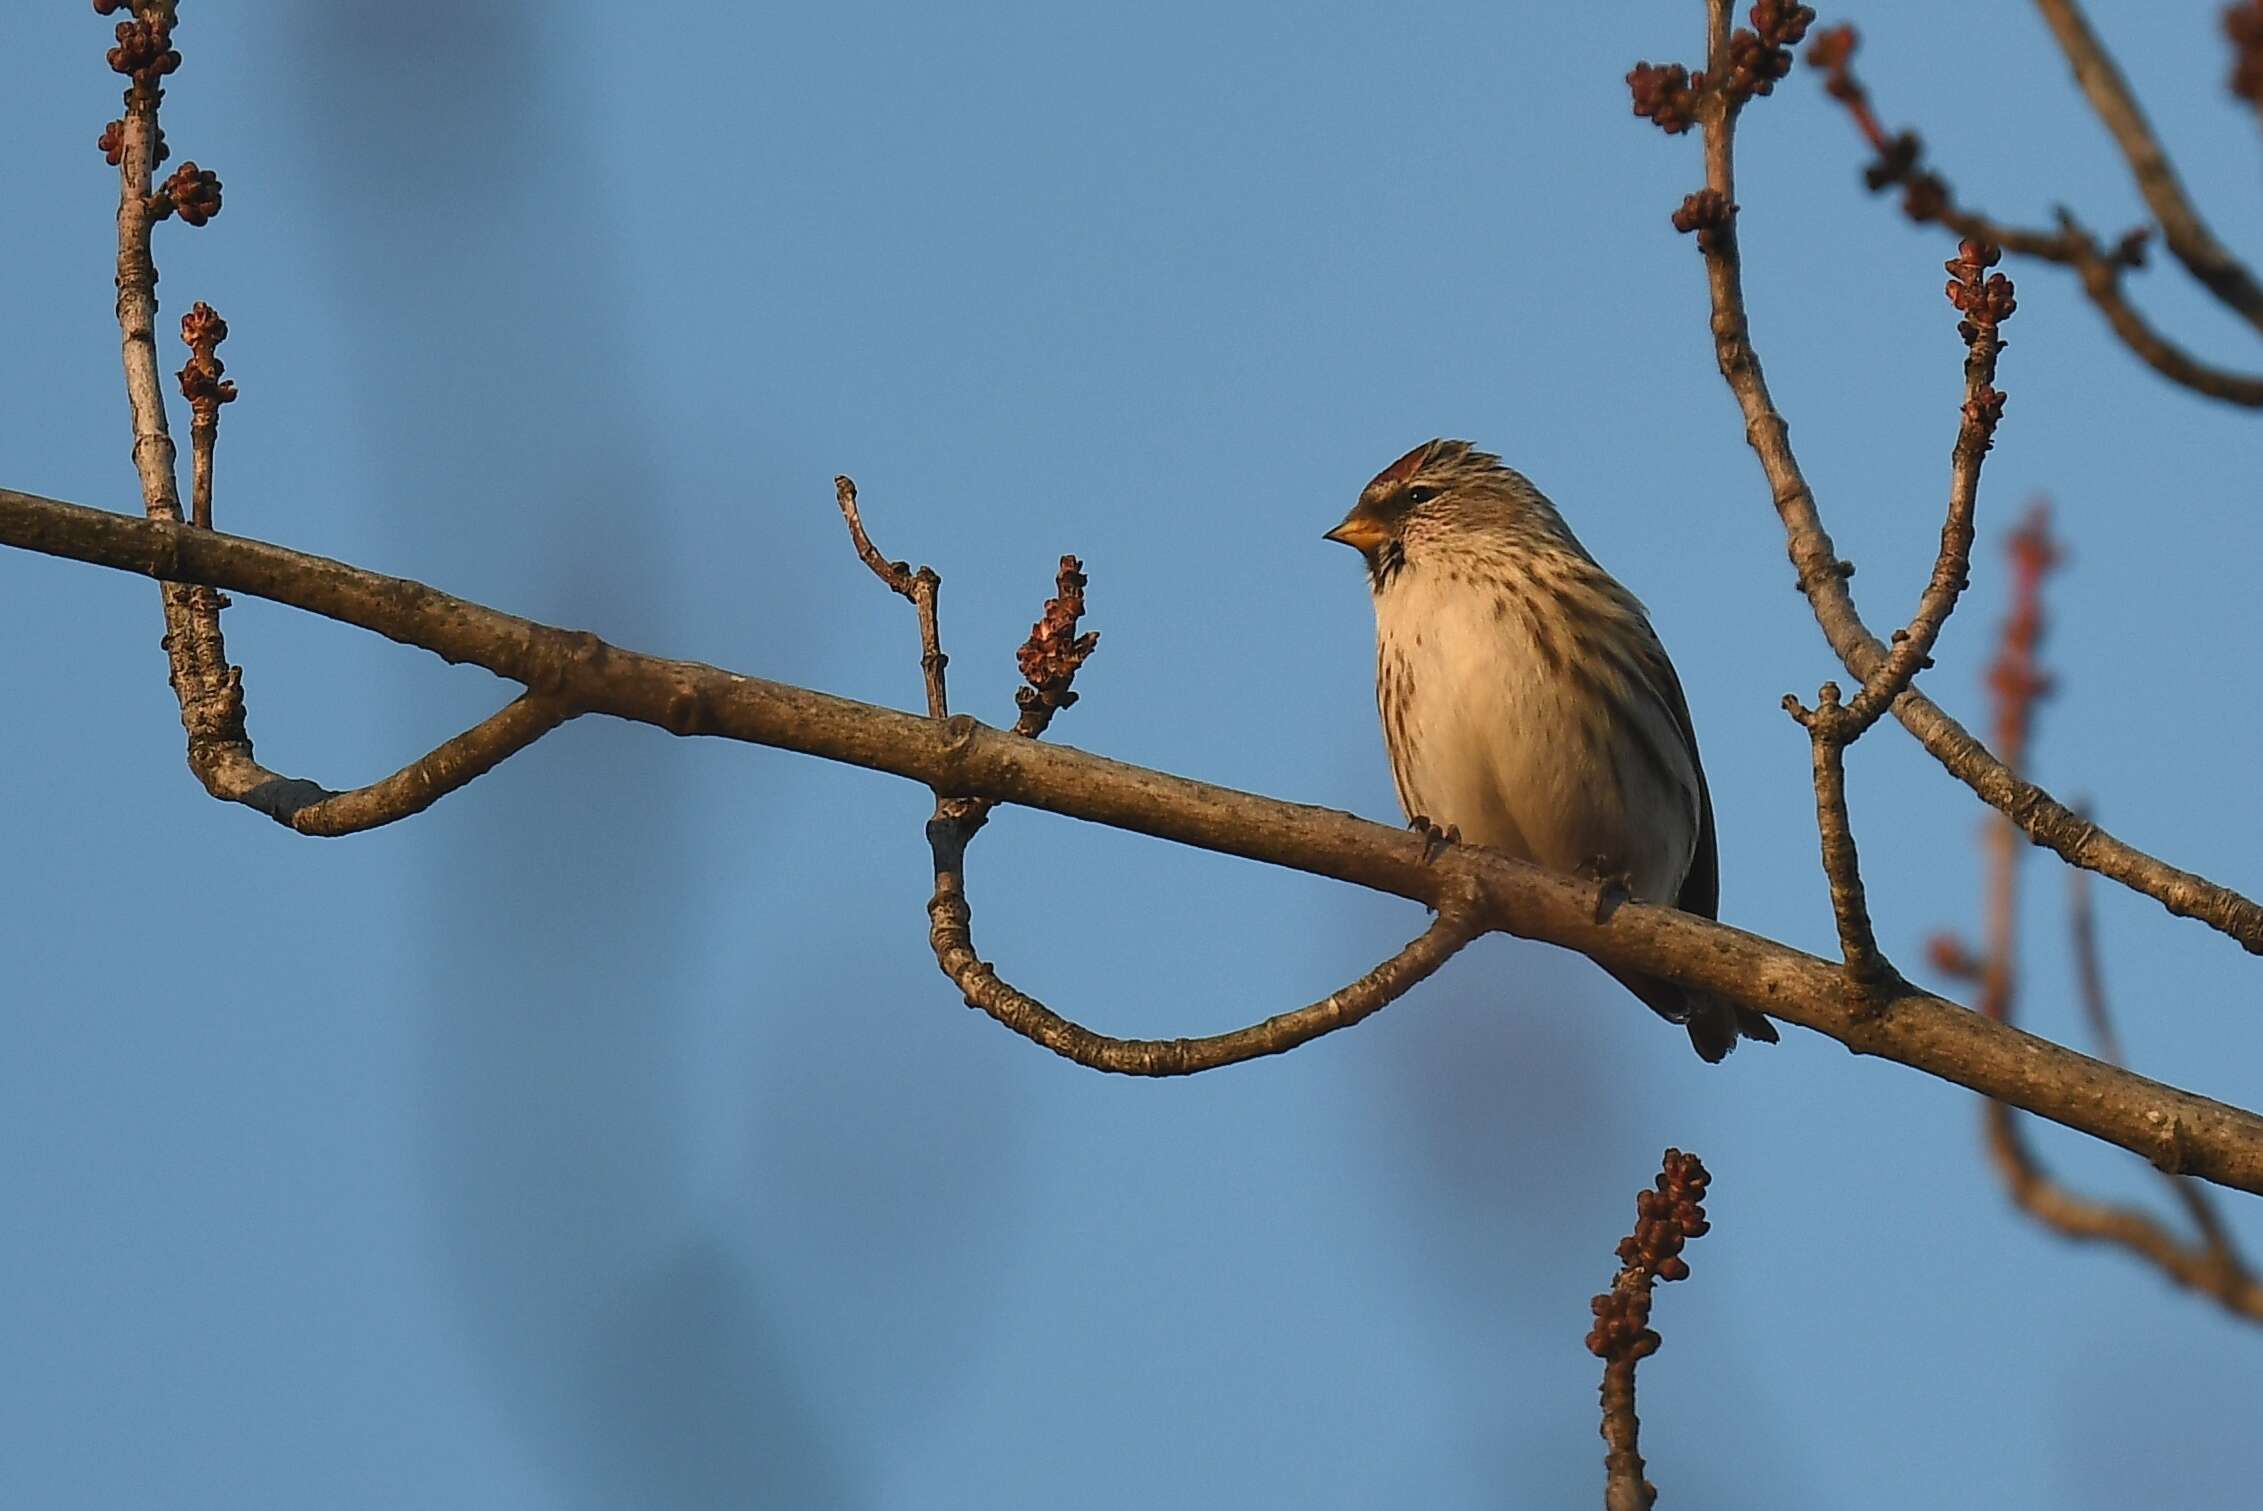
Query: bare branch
[[1822, 577], [2187, 235], [210, 690], [2017, 684], [1986, 302], [1927, 197], [2174, 1128], [1666, 1218], [1831, 729], [1458, 922], [921, 587]]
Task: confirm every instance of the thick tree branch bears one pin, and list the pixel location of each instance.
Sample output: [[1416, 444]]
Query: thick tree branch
[[1822, 576], [2176, 1129]]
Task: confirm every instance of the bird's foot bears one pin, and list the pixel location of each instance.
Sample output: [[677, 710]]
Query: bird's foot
[[1434, 839], [1613, 885]]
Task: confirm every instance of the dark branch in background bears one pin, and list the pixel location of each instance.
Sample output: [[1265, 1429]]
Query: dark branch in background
[[1927, 198], [1666, 1218], [2243, 27], [1822, 576], [210, 691], [958, 755], [1049, 661], [2017, 684]]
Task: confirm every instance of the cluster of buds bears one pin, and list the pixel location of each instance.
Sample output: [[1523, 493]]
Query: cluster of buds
[[1666, 1218], [1985, 300], [1669, 95], [1054, 652], [144, 52], [201, 381], [1709, 213], [192, 192], [1665, 94], [1761, 56], [2243, 24]]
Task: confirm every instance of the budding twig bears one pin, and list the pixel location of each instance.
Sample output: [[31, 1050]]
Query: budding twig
[[1050, 660], [1927, 197], [1821, 576], [209, 690], [1666, 1218]]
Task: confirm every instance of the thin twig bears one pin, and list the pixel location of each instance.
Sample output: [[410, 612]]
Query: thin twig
[[1830, 727], [2209, 261], [1822, 577], [1667, 1216], [2017, 685], [2202, 1136], [1985, 302], [1927, 198]]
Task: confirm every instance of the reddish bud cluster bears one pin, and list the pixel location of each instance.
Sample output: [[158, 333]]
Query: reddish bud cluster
[[1984, 304], [192, 192], [145, 50], [201, 381], [1709, 213], [1666, 1218], [1054, 652], [2243, 24], [1669, 95], [1666, 95], [1761, 56]]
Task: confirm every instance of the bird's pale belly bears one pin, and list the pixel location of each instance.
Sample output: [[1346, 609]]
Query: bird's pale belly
[[1488, 738]]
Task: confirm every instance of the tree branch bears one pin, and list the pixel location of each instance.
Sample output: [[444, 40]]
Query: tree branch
[[2173, 1128], [2208, 260], [1927, 197], [1822, 577], [210, 691]]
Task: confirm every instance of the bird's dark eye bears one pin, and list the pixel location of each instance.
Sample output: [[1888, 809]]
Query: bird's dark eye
[[1421, 495]]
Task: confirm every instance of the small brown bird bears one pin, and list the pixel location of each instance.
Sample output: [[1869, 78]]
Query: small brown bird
[[1527, 703]]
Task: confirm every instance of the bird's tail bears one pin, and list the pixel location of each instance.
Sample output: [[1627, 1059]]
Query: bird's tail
[[1714, 1025]]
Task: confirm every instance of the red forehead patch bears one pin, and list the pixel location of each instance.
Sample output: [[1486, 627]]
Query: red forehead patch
[[1404, 468]]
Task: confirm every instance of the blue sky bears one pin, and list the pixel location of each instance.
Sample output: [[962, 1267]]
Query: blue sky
[[606, 1137]]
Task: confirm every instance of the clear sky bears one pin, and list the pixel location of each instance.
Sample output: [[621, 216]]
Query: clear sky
[[606, 1137]]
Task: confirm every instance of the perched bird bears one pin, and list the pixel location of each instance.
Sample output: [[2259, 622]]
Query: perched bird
[[1527, 704]]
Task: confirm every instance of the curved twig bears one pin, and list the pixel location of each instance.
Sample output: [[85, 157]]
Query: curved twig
[[951, 935], [1830, 729], [1822, 577]]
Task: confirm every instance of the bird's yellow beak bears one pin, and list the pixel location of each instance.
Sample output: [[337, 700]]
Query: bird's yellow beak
[[1362, 532]]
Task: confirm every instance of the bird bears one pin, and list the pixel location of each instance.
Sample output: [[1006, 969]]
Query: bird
[[1528, 706]]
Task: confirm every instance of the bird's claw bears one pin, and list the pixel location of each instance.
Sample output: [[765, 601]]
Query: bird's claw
[[1612, 886], [1435, 840]]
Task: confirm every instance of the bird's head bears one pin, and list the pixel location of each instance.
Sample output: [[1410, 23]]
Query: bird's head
[[1439, 491]]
